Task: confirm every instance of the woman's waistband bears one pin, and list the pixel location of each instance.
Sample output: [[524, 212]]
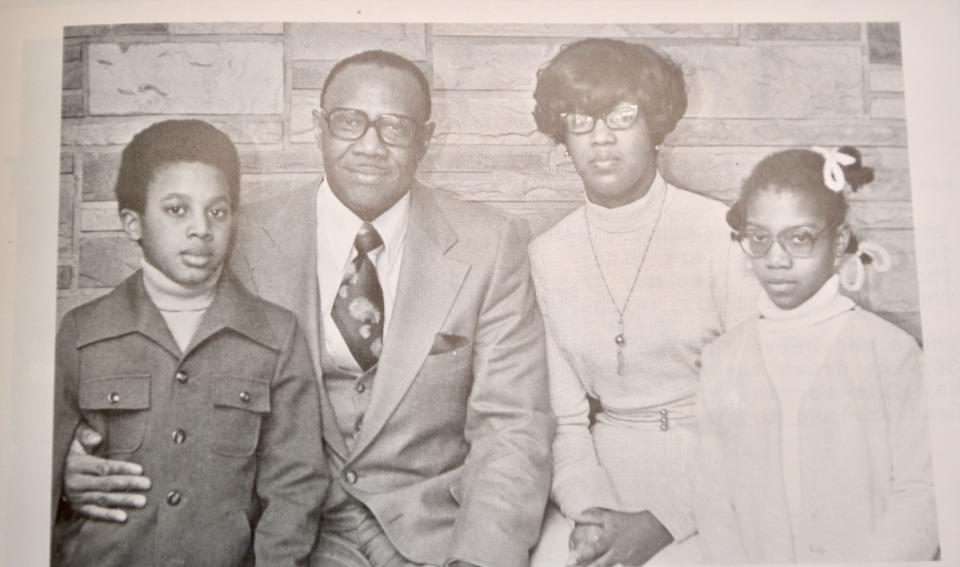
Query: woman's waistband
[[661, 416]]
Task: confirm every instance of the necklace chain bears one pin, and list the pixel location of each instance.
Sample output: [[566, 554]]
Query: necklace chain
[[620, 339]]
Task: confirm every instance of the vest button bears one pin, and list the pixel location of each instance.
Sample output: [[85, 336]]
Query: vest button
[[181, 377], [350, 477], [173, 498]]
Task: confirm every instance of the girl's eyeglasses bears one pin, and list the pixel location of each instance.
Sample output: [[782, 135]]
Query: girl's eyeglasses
[[798, 242]]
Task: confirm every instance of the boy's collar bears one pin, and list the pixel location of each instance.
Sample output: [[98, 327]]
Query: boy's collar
[[128, 309]]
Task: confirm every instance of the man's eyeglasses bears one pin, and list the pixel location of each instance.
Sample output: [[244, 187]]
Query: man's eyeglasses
[[394, 130], [619, 118], [798, 242]]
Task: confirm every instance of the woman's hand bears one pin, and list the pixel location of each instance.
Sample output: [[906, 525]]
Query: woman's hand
[[604, 538], [99, 488]]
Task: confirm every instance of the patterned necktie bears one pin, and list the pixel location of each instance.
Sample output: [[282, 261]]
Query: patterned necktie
[[358, 308]]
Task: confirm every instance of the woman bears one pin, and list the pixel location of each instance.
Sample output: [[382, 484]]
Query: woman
[[632, 285]]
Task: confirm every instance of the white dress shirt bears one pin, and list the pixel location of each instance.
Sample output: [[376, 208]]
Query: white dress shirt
[[337, 226]]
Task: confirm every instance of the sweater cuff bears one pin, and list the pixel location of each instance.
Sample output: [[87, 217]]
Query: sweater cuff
[[677, 519], [583, 492]]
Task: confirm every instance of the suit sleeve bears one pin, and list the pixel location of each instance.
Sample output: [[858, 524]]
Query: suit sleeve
[[907, 529], [66, 409], [506, 476], [579, 482], [292, 476]]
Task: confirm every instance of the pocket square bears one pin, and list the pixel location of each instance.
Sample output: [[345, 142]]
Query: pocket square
[[445, 342]]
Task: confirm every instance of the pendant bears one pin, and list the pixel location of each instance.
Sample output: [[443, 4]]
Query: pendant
[[620, 340]]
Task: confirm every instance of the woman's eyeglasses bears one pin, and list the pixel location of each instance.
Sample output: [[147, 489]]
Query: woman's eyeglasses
[[349, 124], [798, 242], [619, 118]]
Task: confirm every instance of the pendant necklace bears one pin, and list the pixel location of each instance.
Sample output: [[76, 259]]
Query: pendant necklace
[[620, 340]]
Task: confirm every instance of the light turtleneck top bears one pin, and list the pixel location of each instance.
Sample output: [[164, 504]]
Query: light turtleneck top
[[182, 307], [795, 342]]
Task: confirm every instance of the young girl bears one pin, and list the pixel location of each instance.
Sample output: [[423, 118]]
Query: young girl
[[813, 441]]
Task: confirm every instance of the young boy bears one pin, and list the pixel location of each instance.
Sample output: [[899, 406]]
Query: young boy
[[181, 370]]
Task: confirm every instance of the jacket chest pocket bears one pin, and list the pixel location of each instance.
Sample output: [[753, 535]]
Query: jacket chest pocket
[[239, 405], [120, 404]]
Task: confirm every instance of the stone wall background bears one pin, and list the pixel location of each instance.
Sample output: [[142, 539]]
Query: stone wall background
[[753, 89]]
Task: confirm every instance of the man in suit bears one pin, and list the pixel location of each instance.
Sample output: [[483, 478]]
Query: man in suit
[[422, 320]]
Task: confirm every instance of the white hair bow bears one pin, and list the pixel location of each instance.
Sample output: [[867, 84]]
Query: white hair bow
[[833, 162], [867, 252]]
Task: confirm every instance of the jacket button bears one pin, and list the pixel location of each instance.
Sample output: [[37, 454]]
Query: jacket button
[[179, 436], [361, 387], [245, 397], [181, 377], [173, 498], [350, 477], [114, 397]]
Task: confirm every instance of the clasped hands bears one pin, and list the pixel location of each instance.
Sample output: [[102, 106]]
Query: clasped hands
[[605, 538]]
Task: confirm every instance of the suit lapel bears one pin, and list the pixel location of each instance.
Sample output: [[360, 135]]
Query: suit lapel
[[280, 254], [428, 285]]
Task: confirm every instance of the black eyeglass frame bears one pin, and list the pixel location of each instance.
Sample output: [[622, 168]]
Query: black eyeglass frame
[[377, 125], [601, 116]]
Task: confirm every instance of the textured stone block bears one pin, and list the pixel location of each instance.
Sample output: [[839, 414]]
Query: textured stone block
[[507, 186], [802, 32], [772, 81], [335, 41], [880, 214], [623, 31], [790, 133], [310, 74], [884, 42], [226, 28], [71, 104], [112, 131], [73, 74], [888, 106], [106, 261], [886, 78], [500, 66], [100, 216], [64, 277], [255, 188], [485, 118], [194, 78], [114, 30], [302, 105], [482, 159], [66, 162], [65, 220], [297, 160], [73, 50], [99, 175]]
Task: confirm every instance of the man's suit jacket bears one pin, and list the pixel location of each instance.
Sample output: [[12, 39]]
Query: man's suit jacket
[[454, 456]]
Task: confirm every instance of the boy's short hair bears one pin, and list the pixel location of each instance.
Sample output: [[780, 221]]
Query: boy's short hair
[[174, 141]]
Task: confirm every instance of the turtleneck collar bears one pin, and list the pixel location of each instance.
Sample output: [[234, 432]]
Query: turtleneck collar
[[169, 295], [826, 304], [632, 216]]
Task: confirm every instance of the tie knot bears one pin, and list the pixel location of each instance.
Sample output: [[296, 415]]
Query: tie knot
[[367, 240]]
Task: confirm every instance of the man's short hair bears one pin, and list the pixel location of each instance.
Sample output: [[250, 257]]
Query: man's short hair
[[382, 59]]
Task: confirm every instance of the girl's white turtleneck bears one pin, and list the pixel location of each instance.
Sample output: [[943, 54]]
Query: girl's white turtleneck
[[182, 307], [794, 343]]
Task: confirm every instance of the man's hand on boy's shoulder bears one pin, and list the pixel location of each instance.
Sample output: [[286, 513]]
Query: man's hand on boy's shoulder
[[100, 488]]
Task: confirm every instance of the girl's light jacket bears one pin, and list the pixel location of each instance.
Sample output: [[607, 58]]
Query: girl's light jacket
[[866, 479]]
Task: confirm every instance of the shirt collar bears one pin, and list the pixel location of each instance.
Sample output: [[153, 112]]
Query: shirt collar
[[825, 304], [340, 225], [632, 216]]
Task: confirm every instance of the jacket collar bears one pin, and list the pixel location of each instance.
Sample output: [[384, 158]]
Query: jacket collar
[[128, 309]]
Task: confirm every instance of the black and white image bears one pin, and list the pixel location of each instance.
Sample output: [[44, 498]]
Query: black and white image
[[383, 295]]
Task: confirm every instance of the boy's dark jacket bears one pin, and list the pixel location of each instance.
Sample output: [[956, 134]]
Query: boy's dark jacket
[[229, 432]]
